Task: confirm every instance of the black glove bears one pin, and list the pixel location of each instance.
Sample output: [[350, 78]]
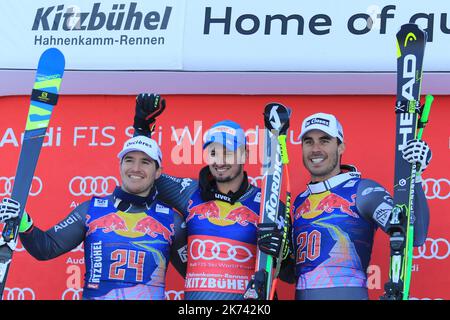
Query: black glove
[[256, 288], [270, 239], [148, 107]]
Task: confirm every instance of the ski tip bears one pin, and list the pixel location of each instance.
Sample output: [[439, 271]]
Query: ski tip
[[410, 34], [278, 106], [53, 54], [52, 61], [413, 28], [409, 26]]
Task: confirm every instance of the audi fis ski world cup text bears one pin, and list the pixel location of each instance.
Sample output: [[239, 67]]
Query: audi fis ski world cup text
[[186, 147]]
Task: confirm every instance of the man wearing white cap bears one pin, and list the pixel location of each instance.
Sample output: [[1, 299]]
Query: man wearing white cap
[[336, 217], [221, 210], [129, 236]]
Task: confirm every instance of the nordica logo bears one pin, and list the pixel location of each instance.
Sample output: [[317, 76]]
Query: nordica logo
[[274, 192], [119, 17]]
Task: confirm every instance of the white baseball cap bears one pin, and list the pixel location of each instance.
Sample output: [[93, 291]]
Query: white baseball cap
[[324, 122], [143, 144]]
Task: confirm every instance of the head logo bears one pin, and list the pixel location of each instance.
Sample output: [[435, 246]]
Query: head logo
[[409, 72], [409, 37]]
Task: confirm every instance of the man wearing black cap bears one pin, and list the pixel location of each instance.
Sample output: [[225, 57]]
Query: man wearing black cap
[[335, 219], [128, 236]]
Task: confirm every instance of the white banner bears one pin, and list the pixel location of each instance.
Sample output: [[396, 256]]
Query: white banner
[[93, 35], [220, 35], [325, 35]]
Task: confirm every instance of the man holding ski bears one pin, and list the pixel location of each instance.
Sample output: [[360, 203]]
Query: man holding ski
[[221, 210], [336, 217], [129, 236]]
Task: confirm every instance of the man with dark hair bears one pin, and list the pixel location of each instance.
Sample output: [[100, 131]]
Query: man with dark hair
[[221, 210], [129, 236], [335, 219]]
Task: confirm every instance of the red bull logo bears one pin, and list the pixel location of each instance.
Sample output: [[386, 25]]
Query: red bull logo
[[333, 201], [108, 223], [221, 213], [304, 208], [203, 210], [243, 216], [153, 227], [316, 204]]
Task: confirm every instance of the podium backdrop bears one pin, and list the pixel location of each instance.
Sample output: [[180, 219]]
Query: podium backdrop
[[79, 160]]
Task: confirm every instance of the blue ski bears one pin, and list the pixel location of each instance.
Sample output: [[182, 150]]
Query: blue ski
[[44, 97]]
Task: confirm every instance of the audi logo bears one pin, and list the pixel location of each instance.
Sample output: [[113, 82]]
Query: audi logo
[[6, 186], [19, 294], [436, 188], [72, 294], [434, 249], [414, 298], [92, 186], [254, 180], [223, 251], [174, 295]]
